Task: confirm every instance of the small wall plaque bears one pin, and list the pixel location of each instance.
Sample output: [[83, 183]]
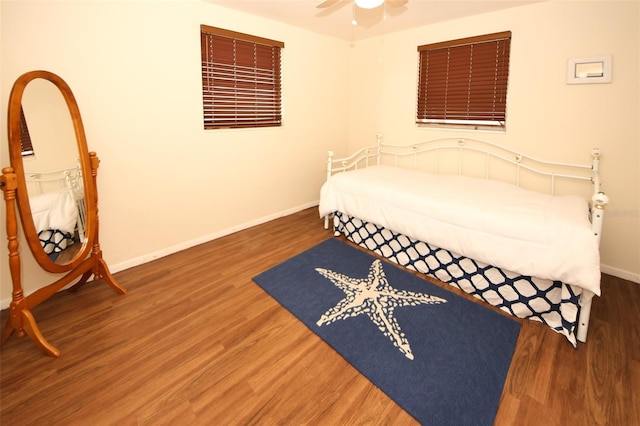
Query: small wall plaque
[[589, 70]]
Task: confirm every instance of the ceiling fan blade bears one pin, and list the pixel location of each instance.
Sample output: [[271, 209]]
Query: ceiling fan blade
[[395, 11], [332, 7], [396, 3], [327, 3], [395, 7]]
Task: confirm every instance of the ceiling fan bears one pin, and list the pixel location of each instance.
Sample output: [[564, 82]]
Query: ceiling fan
[[364, 4], [366, 13]]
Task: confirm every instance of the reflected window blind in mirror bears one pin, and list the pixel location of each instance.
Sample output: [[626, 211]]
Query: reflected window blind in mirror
[[25, 137]]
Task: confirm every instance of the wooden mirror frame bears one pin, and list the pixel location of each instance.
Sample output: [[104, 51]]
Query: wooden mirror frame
[[88, 261], [22, 195]]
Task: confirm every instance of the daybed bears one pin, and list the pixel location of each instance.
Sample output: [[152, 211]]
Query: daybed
[[488, 220]]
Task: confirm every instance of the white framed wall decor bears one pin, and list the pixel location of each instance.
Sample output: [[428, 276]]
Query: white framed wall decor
[[596, 69]]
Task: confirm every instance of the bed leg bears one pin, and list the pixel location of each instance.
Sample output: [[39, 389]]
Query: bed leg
[[585, 313], [326, 222]]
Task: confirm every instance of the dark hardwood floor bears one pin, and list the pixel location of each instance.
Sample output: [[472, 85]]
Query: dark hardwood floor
[[196, 342]]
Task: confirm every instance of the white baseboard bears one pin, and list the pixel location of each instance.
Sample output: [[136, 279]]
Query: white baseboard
[[204, 239], [117, 267], [620, 273]]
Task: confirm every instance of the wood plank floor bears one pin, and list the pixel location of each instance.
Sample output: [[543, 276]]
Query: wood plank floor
[[196, 342]]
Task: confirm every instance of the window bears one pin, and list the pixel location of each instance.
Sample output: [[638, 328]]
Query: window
[[240, 79], [464, 82]]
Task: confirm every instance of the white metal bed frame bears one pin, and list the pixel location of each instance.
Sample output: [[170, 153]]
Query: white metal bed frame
[[553, 170], [69, 179]]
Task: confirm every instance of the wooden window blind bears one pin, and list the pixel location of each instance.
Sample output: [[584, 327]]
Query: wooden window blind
[[25, 138], [241, 76], [464, 82]]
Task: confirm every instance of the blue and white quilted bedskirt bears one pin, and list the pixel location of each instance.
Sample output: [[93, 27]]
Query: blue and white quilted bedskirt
[[551, 302], [54, 240]]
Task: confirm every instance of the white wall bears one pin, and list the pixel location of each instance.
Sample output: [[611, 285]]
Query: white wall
[[546, 118], [164, 183]]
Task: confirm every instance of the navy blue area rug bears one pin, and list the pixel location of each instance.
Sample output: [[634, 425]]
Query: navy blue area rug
[[442, 358]]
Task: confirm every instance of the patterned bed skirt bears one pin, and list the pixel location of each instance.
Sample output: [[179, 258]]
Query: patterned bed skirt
[[54, 241], [551, 302]]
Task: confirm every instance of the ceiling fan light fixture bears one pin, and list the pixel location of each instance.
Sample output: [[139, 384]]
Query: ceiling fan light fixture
[[368, 4]]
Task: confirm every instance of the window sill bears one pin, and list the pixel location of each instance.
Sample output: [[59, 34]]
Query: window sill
[[474, 127]]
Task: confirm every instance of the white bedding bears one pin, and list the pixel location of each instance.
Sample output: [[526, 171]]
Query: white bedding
[[492, 222], [54, 210]]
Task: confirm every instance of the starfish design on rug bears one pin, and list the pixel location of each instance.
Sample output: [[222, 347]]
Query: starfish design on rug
[[375, 297]]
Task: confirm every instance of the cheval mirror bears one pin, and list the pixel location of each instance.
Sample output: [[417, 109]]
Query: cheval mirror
[[52, 179]]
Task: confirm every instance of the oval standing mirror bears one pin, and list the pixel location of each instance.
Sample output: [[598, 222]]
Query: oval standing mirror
[[52, 179], [52, 171]]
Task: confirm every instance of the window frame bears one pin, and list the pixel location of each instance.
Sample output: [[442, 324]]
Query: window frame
[[459, 98], [241, 79]]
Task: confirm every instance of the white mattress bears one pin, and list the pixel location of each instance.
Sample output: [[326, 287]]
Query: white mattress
[[492, 222]]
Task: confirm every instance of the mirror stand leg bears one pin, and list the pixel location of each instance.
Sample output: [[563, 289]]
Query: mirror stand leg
[[103, 271], [32, 330], [15, 322], [20, 319]]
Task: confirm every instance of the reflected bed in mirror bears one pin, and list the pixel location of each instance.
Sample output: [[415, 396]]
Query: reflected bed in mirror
[[58, 211], [52, 182]]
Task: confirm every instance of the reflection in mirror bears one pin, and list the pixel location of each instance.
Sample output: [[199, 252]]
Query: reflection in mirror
[[25, 137], [52, 171]]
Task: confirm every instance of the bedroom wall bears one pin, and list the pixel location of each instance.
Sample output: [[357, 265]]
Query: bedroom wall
[[546, 118], [164, 183]]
